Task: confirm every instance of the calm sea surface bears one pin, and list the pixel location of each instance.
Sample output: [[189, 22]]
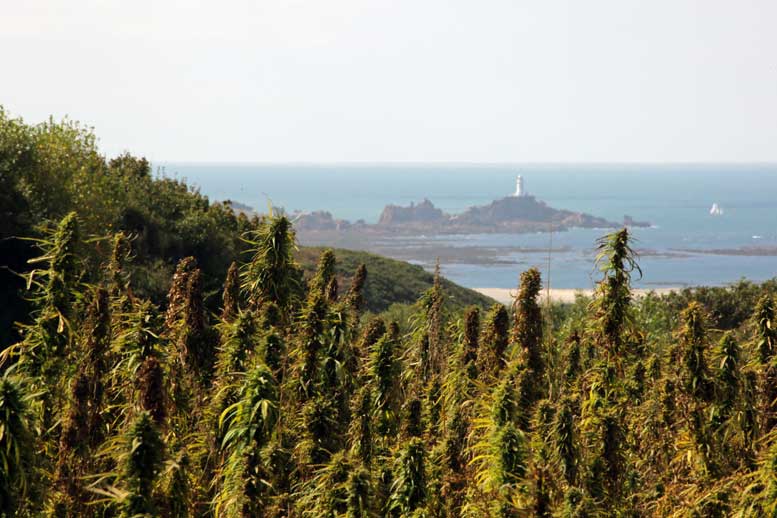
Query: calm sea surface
[[676, 199]]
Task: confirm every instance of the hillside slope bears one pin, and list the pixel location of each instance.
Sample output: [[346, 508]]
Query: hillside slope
[[389, 281]]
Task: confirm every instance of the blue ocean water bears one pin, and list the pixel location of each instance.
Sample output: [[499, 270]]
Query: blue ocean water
[[675, 198]]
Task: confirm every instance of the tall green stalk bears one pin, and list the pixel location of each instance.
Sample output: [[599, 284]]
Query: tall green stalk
[[272, 273], [617, 262]]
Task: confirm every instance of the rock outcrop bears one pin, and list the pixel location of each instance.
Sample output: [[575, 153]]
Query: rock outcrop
[[424, 212], [318, 220], [511, 214], [525, 209]]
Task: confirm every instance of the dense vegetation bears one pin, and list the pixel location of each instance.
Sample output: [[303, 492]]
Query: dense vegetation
[[51, 169], [294, 406], [289, 399]]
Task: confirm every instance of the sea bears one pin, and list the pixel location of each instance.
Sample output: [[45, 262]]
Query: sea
[[684, 246]]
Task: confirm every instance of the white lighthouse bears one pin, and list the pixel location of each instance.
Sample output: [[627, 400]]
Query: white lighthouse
[[519, 191]]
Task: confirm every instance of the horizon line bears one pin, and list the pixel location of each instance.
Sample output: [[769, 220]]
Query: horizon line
[[688, 163]]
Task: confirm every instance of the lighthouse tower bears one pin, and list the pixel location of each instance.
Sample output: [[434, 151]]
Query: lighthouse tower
[[519, 191]]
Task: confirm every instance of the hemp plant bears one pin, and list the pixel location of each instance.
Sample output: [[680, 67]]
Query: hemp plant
[[527, 329], [142, 462], [16, 443], [231, 294], [355, 295], [272, 273], [617, 261], [470, 344], [54, 291], [765, 321], [493, 343]]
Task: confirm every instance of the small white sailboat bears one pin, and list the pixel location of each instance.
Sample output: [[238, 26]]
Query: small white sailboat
[[716, 210]]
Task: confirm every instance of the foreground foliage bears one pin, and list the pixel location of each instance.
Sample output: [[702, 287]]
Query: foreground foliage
[[175, 360], [294, 402]]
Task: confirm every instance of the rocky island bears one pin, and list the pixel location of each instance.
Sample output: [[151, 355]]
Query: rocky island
[[398, 229], [509, 215]]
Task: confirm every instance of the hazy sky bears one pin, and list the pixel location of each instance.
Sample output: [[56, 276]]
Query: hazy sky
[[401, 80]]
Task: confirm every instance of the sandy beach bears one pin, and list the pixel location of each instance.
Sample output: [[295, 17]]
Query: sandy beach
[[505, 295]]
